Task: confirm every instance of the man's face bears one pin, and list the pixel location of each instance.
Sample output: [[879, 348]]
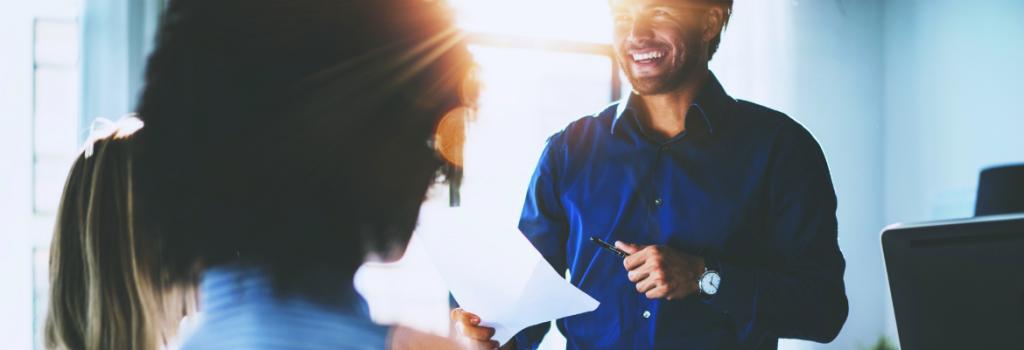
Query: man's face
[[658, 42]]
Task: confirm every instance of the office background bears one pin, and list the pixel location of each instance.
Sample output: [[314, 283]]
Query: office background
[[908, 98]]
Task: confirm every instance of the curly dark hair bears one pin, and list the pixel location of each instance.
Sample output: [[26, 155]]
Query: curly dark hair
[[293, 135]]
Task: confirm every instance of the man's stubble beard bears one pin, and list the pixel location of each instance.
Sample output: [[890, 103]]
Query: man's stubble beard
[[673, 79]]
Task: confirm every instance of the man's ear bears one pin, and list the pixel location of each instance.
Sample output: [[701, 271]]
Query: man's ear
[[714, 21]]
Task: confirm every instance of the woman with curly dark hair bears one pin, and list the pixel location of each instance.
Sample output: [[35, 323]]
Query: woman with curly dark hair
[[286, 143]]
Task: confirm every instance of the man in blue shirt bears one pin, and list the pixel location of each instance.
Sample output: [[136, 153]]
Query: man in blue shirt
[[726, 208]]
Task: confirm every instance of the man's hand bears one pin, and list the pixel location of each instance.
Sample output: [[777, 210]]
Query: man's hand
[[660, 271], [469, 329]]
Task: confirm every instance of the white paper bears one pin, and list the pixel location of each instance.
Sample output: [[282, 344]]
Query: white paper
[[494, 272]]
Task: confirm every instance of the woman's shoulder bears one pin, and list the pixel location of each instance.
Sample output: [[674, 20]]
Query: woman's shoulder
[[288, 329]]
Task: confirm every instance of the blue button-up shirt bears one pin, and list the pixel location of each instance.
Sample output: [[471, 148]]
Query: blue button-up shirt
[[744, 186]]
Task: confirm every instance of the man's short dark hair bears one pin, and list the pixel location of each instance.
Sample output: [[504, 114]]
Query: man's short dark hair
[[294, 136]]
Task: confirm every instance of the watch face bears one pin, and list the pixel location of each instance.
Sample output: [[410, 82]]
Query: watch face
[[709, 282]]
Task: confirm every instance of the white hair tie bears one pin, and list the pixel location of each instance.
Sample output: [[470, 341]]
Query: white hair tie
[[102, 128]]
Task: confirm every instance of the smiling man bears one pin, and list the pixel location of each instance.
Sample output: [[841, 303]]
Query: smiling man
[[726, 208]]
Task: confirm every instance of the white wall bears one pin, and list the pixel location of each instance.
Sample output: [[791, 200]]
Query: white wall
[[820, 62], [952, 104], [16, 174]]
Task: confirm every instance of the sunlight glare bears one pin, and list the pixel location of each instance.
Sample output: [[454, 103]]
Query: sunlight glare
[[578, 20]]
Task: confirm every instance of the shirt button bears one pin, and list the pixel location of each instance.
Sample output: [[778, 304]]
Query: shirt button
[[658, 202], [665, 148], [646, 314]]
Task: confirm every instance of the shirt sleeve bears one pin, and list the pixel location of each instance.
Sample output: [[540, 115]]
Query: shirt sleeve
[[544, 223], [802, 295]]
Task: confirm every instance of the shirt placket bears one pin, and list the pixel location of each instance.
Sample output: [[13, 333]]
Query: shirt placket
[[646, 316]]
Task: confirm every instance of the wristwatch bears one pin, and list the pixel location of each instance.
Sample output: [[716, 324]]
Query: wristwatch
[[708, 282]]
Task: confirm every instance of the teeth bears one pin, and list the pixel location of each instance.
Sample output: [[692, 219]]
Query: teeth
[[643, 56]]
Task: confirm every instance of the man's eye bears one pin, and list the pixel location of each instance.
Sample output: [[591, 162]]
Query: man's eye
[[621, 18], [660, 13]]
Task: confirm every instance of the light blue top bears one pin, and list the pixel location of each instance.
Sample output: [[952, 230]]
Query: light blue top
[[240, 311]]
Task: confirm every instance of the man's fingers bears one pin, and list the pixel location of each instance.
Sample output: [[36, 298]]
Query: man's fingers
[[463, 316], [644, 266], [637, 275], [629, 248], [468, 325], [635, 260], [477, 332], [638, 254], [645, 285], [657, 293], [632, 262]]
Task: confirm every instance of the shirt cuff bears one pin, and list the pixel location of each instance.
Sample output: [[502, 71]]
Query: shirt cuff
[[737, 297]]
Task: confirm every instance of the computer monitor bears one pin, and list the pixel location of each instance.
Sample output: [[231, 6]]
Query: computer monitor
[[958, 284]]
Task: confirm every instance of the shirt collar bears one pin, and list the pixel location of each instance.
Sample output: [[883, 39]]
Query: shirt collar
[[710, 103]]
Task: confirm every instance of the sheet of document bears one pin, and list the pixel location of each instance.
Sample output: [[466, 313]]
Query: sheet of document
[[495, 272]]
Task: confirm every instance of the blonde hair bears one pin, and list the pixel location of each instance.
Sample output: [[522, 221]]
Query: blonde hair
[[105, 290]]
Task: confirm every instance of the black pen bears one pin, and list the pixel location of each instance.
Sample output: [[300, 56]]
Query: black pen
[[609, 247]]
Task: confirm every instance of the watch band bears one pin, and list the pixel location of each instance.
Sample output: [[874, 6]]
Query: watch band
[[700, 282]]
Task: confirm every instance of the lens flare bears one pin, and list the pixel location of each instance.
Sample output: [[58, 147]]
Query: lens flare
[[450, 136]]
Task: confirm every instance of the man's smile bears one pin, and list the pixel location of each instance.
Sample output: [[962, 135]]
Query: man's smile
[[647, 61], [646, 55]]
